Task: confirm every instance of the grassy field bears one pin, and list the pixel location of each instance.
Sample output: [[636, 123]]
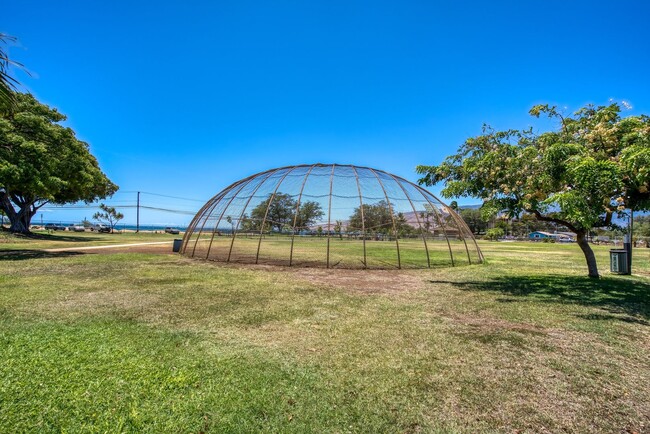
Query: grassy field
[[130, 342], [344, 253], [60, 239]]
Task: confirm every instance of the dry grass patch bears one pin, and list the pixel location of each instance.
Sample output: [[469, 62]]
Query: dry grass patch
[[502, 347]]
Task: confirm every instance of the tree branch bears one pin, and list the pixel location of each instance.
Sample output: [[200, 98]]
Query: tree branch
[[36, 208], [544, 218], [17, 200]]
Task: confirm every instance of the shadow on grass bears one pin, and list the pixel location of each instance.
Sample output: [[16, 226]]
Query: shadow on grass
[[20, 255], [55, 237], [614, 295]]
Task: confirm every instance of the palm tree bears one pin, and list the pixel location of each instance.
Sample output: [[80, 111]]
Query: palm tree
[[7, 82]]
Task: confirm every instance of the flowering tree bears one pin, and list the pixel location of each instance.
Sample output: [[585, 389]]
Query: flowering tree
[[595, 165]]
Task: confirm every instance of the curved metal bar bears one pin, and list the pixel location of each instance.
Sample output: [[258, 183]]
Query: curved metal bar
[[295, 217], [214, 231], [424, 193], [232, 243], [266, 213], [456, 218], [195, 222], [212, 201], [390, 209], [209, 211], [329, 215], [426, 247], [207, 214], [363, 219]]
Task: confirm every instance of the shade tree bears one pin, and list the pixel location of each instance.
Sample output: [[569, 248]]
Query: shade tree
[[42, 161], [279, 210], [594, 165]]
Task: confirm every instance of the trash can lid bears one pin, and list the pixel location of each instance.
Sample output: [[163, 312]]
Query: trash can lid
[[617, 251]]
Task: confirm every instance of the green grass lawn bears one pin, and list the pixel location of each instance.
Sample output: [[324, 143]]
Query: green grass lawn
[[344, 253], [160, 343], [64, 239]]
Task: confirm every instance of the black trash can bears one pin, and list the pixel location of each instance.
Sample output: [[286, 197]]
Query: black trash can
[[618, 263], [178, 243]]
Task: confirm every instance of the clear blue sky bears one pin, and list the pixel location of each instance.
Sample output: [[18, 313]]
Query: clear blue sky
[[183, 98]]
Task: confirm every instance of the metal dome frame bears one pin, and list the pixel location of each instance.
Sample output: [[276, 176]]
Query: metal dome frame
[[405, 222]]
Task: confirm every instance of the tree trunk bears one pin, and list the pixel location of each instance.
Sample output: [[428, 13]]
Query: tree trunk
[[589, 254], [20, 220]]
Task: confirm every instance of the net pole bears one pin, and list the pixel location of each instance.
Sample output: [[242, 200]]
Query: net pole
[[417, 218], [295, 217], [363, 220], [266, 213], [234, 235], [424, 193], [329, 215], [390, 210]]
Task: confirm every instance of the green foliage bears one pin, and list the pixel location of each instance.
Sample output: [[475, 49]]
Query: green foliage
[[338, 228], [375, 218], [494, 234], [7, 82], [473, 219], [108, 215], [308, 213], [379, 218], [597, 164], [156, 343], [43, 162], [642, 226], [281, 213]]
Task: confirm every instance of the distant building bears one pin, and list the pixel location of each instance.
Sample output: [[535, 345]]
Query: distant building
[[540, 235]]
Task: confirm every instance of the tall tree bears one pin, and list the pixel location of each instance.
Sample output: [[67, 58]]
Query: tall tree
[[377, 218], [594, 165], [43, 162], [279, 210], [473, 219], [309, 213]]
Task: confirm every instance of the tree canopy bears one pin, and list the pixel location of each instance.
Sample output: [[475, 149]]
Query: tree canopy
[[42, 161], [279, 210], [596, 164], [473, 219], [378, 218]]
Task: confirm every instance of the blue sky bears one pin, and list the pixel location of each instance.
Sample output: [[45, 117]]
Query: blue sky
[[183, 99]]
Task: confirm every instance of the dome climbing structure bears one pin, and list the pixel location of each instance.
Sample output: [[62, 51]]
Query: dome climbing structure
[[330, 216]]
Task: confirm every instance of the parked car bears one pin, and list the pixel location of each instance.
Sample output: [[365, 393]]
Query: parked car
[[100, 228], [76, 228], [54, 227], [172, 231]]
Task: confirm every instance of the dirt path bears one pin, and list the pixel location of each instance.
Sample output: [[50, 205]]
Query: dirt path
[[110, 246]]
